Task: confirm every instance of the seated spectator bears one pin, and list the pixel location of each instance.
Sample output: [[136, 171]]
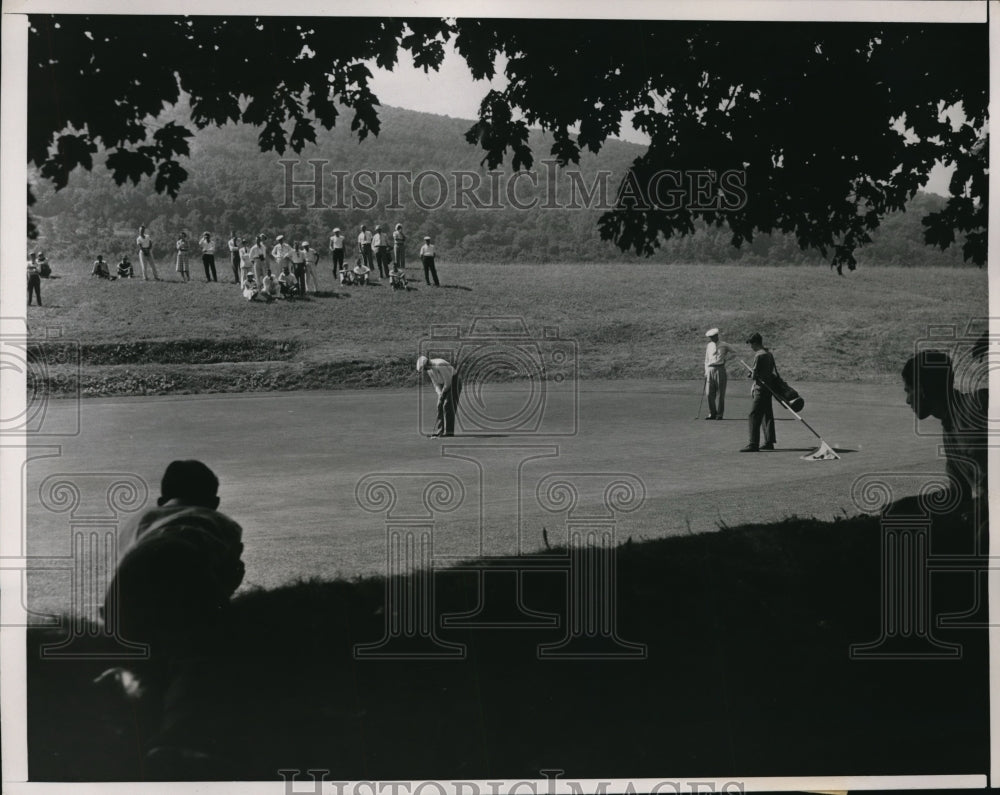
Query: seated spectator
[[269, 289], [361, 272], [397, 278], [44, 270], [178, 565], [101, 269], [250, 287], [346, 277], [287, 283], [124, 268]]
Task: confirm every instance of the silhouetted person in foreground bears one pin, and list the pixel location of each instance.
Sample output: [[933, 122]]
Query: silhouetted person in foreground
[[178, 565], [929, 381]]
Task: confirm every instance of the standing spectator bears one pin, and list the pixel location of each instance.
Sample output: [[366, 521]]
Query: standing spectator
[[100, 269], [312, 257], [246, 265], [365, 246], [234, 256], [449, 389], [208, 257], [282, 252], [182, 257], [337, 250], [298, 260], [716, 353], [145, 245], [43, 266], [34, 280], [380, 243], [258, 258], [399, 241], [762, 409], [427, 258], [124, 267]]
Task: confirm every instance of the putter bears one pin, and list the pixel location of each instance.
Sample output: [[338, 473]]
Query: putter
[[704, 386]]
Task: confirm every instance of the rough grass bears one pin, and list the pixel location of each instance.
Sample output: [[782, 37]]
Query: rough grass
[[632, 320], [747, 672]]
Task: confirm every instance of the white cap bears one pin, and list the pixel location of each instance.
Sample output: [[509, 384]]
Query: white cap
[[421, 363], [712, 332], [427, 237], [337, 229], [279, 237], [305, 244]]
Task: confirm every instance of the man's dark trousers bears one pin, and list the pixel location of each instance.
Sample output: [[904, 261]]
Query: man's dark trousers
[[447, 406], [761, 414]]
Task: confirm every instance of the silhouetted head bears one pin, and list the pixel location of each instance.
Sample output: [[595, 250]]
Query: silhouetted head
[[190, 483], [928, 379]]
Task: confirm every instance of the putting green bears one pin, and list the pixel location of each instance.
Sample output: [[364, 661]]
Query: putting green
[[290, 464]]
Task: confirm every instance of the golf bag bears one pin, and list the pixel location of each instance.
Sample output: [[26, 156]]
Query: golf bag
[[785, 393]]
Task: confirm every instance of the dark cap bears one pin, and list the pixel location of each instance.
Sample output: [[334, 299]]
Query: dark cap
[[755, 338], [190, 481]]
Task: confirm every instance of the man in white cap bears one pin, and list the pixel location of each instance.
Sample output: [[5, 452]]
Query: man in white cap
[[448, 387], [337, 250], [716, 353]]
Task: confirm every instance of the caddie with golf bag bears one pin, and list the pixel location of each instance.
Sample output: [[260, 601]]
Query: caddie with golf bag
[[767, 383]]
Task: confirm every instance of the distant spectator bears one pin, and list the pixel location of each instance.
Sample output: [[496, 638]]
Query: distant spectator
[[360, 272], [380, 244], [234, 256], [397, 278], [312, 258], [427, 258], [269, 289], [347, 277], [246, 265], [287, 283], [298, 260], [337, 251], [100, 269], [365, 247], [399, 244], [182, 257], [258, 258], [250, 287], [34, 280], [282, 252], [124, 267], [145, 246], [44, 270], [208, 257]]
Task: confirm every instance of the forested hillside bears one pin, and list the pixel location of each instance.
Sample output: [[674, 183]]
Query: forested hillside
[[233, 186]]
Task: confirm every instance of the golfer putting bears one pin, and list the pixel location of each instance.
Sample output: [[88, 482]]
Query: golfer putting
[[448, 387]]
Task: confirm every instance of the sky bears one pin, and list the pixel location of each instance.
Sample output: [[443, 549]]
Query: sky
[[453, 92]]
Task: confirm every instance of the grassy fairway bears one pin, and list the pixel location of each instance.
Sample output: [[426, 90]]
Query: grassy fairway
[[638, 320]]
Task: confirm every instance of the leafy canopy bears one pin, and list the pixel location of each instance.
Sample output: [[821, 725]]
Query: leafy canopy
[[833, 125]]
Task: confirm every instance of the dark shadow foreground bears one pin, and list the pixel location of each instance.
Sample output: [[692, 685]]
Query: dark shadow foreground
[[747, 673]]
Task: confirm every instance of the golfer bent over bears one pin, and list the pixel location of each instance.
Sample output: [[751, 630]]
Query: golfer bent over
[[716, 354], [762, 409], [448, 387]]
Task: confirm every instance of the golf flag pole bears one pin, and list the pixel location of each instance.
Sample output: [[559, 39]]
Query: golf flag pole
[[824, 447]]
